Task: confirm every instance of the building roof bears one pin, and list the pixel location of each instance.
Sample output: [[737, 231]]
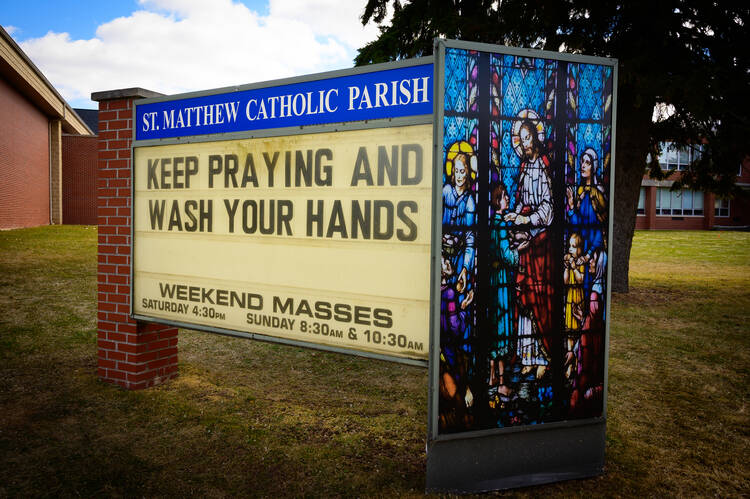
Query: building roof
[[91, 117], [18, 70]]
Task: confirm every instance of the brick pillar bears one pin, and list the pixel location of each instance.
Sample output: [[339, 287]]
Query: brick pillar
[[55, 171], [132, 354]]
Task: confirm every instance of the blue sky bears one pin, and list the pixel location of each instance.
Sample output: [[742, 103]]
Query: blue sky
[[34, 18], [175, 46], [80, 18]]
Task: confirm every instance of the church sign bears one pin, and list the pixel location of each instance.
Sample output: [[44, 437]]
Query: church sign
[[454, 215]]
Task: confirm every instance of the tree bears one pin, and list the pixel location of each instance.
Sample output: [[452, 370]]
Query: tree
[[688, 56]]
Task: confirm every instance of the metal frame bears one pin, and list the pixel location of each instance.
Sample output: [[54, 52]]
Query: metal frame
[[475, 453], [265, 133], [535, 53], [608, 309]]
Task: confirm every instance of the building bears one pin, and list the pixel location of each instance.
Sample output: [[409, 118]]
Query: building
[[79, 157], [34, 123], [661, 208]]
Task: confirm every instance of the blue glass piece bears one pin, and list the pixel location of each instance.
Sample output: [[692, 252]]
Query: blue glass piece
[[455, 80], [590, 82], [460, 81], [455, 129], [524, 89]]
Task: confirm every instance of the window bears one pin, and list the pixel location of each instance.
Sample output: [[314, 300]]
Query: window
[[721, 207], [678, 203], [678, 159], [642, 202]]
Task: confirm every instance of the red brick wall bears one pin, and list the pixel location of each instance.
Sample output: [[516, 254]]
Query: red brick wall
[[671, 223], [79, 165], [739, 209], [674, 223], [648, 219], [739, 213], [132, 354], [24, 161]]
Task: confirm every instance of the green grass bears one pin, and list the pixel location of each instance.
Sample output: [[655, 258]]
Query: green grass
[[679, 363], [247, 418]]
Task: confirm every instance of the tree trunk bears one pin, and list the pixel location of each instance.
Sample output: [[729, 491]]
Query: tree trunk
[[633, 121]]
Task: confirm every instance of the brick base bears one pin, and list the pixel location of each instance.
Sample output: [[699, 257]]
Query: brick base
[[143, 358], [132, 354]]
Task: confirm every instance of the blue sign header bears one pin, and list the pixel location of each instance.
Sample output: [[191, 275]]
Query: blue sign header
[[404, 91]]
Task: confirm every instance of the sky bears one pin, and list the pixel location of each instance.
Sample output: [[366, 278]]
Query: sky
[[176, 46]]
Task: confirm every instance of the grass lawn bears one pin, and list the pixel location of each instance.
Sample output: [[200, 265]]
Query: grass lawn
[[247, 418]]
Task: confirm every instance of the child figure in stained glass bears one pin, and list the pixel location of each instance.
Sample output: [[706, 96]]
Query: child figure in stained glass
[[453, 359], [573, 282], [504, 246], [573, 279], [453, 318]]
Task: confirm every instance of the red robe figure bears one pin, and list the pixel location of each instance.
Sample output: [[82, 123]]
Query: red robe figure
[[533, 213]]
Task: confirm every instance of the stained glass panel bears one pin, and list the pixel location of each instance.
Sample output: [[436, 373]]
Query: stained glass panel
[[525, 256]]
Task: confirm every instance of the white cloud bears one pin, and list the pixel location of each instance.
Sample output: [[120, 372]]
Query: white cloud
[[318, 14], [10, 29], [174, 46]]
